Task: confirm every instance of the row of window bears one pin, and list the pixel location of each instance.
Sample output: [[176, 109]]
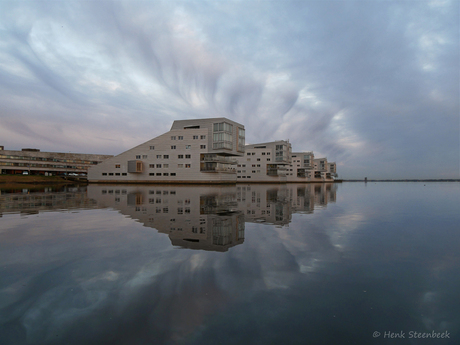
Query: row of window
[[166, 166], [28, 158], [253, 153], [162, 174], [158, 157], [195, 137]]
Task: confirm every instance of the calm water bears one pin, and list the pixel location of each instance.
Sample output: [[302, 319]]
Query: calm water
[[254, 264]]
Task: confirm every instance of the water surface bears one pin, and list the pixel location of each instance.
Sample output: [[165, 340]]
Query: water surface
[[252, 264]]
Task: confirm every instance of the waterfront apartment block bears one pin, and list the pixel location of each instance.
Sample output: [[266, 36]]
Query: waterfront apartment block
[[193, 151], [35, 162], [265, 162], [301, 168]]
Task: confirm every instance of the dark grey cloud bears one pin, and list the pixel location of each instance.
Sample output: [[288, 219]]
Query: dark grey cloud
[[365, 83]]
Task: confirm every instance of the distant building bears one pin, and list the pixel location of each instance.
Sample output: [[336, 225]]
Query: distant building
[[35, 162], [265, 162], [193, 151]]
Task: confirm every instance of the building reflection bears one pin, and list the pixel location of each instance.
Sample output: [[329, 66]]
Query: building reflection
[[195, 217], [35, 200]]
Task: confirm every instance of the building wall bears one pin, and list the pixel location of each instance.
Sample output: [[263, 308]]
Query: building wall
[[176, 157], [259, 159]]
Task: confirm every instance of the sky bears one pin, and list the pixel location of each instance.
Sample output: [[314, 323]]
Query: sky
[[371, 85]]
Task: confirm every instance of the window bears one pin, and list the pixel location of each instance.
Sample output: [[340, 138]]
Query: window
[[188, 156], [158, 174], [165, 165], [124, 174], [268, 153], [202, 146], [241, 139], [203, 137], [117, 166], [180, 165], [263, 153], [117, 174], [166, 156], [248, 154], [138, 156], [158, 156], [152, 147], [180, 137], [173, 147], [158, 165], [258, 159], [268, 159], [173, 174], [151, 165], [222, 136], [188, 146], [195, 137], [187, 165], [104, 174], [110, 174], [144, 156], [180, 156], [253, 153], [152, 174], [173, 137], [165, 174]]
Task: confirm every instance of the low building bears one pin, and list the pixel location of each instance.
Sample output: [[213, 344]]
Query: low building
[[35, 162], [265, 162], [193, 151]]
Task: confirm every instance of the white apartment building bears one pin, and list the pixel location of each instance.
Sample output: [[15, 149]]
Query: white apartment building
[[193, 151], [301, 168], [265, 162]]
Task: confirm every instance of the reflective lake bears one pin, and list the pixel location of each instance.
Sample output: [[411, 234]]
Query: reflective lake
[[350, 263]]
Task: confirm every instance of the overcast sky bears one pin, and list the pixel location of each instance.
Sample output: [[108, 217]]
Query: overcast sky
[[372, 85]]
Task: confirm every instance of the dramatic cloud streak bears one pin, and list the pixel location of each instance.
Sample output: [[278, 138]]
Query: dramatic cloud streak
[[371, 85]]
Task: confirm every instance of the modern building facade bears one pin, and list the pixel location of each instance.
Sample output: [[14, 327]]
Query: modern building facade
[[35, 162], [193, 151], [265, 162]]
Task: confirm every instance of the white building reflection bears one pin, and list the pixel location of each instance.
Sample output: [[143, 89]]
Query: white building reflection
[[195, 217], [212, 218]]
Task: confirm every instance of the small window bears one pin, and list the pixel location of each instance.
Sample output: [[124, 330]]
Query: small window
[[158, 156], [203, 137], [187, 165], [158, 165], [151, 165], [138, 156], [152, 174], [248, 154], [166, 156], [180, 137], [104, 174], [180, 165], [268, 159], [188, 156], [165, 165], [173, 174], [144, 156], [117, 166], [173, 147], [195, 137], [117, 174], [152, 147], [202, 146], [188, 146], [165, 174], [124, 174], [173, 137], [158, 174], [180, 156], [110, 174]]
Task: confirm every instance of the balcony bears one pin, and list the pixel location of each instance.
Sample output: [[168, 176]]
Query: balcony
[[217, 159]]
